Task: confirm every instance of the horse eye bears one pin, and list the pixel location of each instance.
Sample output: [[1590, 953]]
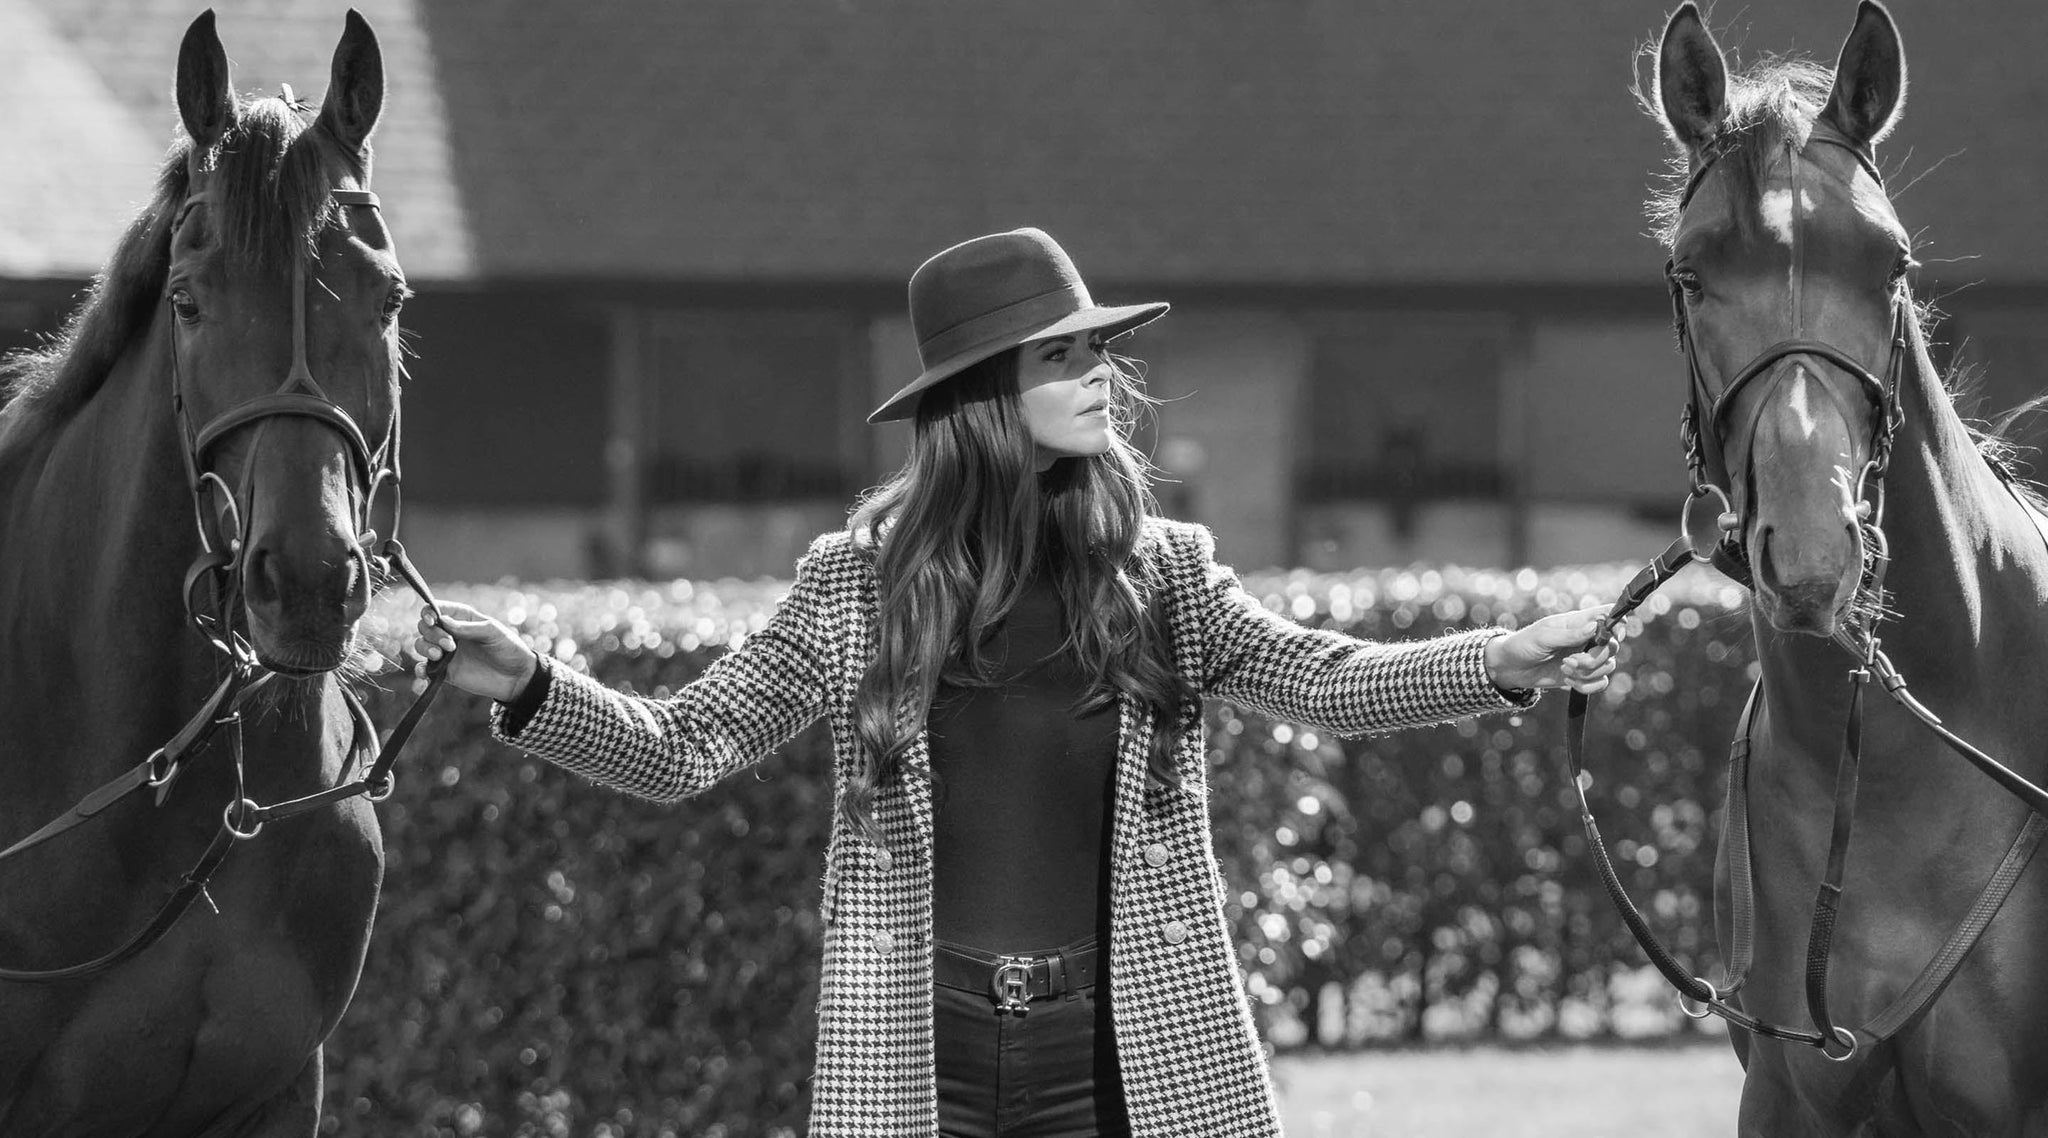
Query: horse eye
[[1905, 264], [393, 301], [1688, 281], [183, 304]]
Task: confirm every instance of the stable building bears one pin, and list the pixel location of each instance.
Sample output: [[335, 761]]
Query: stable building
[[660, 248]]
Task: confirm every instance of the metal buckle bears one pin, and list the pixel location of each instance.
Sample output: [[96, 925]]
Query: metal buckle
[[1010, 985]]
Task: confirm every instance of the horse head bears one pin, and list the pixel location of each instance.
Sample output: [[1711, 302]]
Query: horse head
[[284, 293], [1787, 276]]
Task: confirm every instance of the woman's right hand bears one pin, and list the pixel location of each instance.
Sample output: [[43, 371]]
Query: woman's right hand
[[484, 656]]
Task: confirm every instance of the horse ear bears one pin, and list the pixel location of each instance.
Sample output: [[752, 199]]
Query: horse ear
[[206, 98], [1870, 77], [1692, 82], [355, 92]]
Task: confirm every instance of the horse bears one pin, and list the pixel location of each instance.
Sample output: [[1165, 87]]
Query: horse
[[216, 403], [1870, 995]]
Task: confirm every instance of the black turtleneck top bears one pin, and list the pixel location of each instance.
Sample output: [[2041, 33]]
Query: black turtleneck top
[[1022, 792]]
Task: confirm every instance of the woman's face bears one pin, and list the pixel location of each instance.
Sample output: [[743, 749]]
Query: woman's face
[[1064, 385]]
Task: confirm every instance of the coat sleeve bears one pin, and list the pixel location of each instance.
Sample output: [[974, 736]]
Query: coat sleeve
[[1336, 683], [742, 707]]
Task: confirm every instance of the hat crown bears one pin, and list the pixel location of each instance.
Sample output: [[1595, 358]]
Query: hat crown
[[982, 277], [993, 293]]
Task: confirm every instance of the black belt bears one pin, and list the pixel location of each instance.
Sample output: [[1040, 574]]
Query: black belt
[[1012, 982]]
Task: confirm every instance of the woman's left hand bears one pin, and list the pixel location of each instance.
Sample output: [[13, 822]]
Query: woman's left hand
[[1552, 653]]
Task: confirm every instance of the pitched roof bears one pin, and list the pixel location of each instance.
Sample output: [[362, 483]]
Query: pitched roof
[[64, 191], [1321, 141], [90, 116]]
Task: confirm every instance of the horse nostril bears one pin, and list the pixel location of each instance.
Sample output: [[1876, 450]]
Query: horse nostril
[[355, 597], [259, 577]]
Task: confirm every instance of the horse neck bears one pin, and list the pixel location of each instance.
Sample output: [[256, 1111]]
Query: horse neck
[[99, 530]]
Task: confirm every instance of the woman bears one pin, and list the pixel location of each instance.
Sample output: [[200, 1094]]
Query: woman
[[1023, 914]]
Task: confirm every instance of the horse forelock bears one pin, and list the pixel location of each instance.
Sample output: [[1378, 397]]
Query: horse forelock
[[1771, 104], [270, 184], [270, 181]]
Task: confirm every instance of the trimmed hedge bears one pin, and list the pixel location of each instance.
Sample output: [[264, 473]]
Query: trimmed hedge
[[553, 958]]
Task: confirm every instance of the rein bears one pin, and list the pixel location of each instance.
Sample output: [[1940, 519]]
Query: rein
[[1697, 997], [218, 570]]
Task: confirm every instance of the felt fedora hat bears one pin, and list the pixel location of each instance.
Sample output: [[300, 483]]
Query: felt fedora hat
[[992, 293]]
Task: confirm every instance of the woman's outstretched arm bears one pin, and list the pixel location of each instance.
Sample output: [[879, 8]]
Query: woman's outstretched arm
[[1341, 684], [747, 703]]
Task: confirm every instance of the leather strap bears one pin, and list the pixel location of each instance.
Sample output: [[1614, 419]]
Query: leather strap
[[1735, 840], [2014, 782], [1827, 899], [188, 890], [156, 770], [1935, 976], [1072, 969]]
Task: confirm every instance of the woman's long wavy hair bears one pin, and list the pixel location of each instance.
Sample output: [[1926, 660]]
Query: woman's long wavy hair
[[959, 531]]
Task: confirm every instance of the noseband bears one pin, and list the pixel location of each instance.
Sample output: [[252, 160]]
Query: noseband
[[1725, 543], [219, 564]]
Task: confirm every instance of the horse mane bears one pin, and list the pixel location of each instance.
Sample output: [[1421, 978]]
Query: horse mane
[[1994, 435], [270, 196]]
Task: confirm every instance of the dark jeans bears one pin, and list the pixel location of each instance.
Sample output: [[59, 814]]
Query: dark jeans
[[1050, 1073]]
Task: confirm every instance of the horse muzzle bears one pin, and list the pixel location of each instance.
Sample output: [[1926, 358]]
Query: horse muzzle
[[1807, 585], [303, 602]]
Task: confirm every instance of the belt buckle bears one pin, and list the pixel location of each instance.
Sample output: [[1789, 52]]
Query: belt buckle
[[1010, 985]]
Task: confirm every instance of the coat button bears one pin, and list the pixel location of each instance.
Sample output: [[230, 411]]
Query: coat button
[[885, 942], [1155, 854], [884, 860], [1174, 932]]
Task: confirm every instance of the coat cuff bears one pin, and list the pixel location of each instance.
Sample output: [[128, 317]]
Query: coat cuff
[[1507, 697], [514, 714]]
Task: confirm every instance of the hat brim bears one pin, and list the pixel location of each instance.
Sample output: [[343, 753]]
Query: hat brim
[[1112, 321]]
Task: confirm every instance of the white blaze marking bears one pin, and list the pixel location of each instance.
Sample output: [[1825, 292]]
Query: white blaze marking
[[1776, 210], [1802, 411]]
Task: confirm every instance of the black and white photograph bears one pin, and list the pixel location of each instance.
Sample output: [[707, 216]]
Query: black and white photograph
[[1023, 569]]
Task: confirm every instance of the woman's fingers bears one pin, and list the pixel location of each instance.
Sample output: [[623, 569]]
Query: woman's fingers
[[1571, 629], [435, 640], [426, 650], [455, 621], [1587, 665]]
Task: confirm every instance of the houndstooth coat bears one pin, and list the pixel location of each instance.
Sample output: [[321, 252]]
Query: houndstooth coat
[[1190, 1059]]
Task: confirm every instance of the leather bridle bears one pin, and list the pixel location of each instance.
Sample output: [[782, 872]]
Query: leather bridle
[[218, 571], [219, 564], [1707, 466], [1724, 547]]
